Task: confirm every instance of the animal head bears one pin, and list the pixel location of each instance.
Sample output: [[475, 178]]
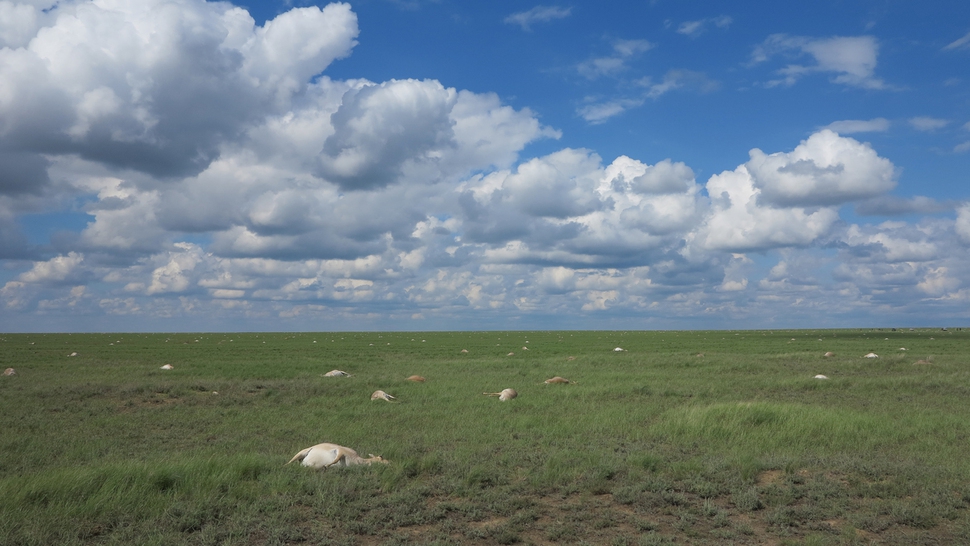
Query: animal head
[[377, 459]]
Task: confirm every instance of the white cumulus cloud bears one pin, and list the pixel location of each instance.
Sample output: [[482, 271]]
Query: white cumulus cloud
[[826, 169]]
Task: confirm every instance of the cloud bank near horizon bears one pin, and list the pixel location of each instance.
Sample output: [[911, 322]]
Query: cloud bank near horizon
[[221, 174]]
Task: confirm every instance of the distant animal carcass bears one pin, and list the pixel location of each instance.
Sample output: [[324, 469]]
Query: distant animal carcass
[[504, 396], [416, 379], [557, 380], [381, 395], [336, 373], [9, 371]]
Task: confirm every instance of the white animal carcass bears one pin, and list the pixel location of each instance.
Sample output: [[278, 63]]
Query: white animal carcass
[[336, 373], [381, 395], [323, 456], [504, 396]]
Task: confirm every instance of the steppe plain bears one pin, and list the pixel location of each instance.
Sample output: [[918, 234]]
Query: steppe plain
[[681, 437]]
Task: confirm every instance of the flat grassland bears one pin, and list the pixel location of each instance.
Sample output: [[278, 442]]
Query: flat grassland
[[684, 437]]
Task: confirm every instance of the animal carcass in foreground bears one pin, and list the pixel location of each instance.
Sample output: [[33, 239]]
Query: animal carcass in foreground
[[504, 396], [382, 396], [323, 456], [336, 373]]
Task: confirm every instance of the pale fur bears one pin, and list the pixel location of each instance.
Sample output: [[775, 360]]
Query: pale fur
[[336, 373], [504, 396], [382, 395], [416, 378], [323, 456], [557, 379], [9, 371]]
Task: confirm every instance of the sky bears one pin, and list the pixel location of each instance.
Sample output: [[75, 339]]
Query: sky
[[287, 165]]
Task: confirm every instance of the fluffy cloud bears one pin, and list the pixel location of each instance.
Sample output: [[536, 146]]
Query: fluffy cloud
[[157, 86], [223, 176], [962, 225], [786, 199], [891, 242], [825, 169], [851, 58], [385, 148], [738, 224], [567, 208], [381, 130], [56, 270]]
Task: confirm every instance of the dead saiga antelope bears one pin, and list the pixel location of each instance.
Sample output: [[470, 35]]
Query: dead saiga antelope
[[323, 456], [504, 396]]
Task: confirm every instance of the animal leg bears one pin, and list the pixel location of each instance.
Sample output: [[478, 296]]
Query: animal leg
[[300, 456], [340, 457]]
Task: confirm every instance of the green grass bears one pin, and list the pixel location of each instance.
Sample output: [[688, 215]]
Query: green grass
[[705, 437]]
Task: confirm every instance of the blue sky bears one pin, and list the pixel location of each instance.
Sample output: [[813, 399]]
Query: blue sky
[[413, 165]]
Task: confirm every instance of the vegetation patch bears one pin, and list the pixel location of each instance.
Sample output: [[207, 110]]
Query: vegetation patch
[[651, 445]]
